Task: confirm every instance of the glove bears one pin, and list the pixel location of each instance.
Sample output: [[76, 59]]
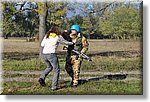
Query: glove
[[84, 50]]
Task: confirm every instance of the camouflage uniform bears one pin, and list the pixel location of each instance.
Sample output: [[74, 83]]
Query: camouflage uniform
[[73, 61]]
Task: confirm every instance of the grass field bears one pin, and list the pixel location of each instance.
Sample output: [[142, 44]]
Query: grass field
[[20, 60]]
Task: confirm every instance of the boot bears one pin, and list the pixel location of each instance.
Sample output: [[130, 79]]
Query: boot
[[42, 82]]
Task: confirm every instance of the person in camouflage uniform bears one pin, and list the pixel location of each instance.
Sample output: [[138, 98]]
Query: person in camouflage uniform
[[73, 61]]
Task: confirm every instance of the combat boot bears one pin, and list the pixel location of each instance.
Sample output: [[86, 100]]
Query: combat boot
[[75, 84]]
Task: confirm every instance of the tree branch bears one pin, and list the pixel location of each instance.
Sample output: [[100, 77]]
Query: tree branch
[[96, 11], [25, 9], [103, 8], [21, 4], [61, 8]]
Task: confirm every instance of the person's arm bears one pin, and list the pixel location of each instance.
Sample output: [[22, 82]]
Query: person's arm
[[63, 41], [85, 45], [65, 35]]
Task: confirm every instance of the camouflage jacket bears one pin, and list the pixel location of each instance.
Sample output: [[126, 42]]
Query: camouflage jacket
[[80, 45]]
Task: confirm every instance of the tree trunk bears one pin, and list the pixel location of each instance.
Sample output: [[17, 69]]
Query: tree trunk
[[42, 27], [42, 24]]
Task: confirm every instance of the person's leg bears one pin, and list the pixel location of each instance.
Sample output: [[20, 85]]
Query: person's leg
[[55, 65], [72, 61], [46, 71], [76, 71], [68, 66], [69, 70]]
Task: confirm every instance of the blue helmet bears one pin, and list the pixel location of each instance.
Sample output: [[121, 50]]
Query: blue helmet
[[75, 27]]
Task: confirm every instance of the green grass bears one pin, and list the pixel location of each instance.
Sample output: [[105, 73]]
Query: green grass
[[105, 87], [17, 65], [107, 56], [113, 64], [30, 64], [98, 64]]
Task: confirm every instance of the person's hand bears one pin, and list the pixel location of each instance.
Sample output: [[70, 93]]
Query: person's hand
[[73, 43], [80, 57], [65, 31]]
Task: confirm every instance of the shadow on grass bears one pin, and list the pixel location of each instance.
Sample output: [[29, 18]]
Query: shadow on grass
[[105, 77], [67, 84]]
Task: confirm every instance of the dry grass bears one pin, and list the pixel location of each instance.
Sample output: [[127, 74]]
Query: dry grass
[[114, 45], [19, 49], [20, 45]]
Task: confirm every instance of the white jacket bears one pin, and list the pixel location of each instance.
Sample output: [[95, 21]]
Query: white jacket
[[50, 44]]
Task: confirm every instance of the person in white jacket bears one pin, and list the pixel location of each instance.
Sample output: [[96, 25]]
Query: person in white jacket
[[50, 43]]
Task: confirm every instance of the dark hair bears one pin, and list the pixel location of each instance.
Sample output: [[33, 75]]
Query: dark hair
[[54, 29]]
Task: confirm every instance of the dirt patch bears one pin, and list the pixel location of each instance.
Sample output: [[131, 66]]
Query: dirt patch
[[19, 56], [62, 54], [126, 54]]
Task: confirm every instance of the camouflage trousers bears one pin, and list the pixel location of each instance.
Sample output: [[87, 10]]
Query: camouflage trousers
[[73, 68]]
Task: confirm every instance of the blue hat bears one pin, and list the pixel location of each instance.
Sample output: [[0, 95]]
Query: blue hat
[[75, 27]]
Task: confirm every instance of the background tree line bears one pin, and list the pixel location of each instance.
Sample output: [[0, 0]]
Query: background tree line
[[104, 20]]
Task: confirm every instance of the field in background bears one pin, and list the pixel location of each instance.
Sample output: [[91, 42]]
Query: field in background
[[21, 62], [20, 45]]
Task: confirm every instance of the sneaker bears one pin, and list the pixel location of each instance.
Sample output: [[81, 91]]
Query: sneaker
[[54, 89], [42, 82]]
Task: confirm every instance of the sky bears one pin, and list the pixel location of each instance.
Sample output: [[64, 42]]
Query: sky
[[78, 12]]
